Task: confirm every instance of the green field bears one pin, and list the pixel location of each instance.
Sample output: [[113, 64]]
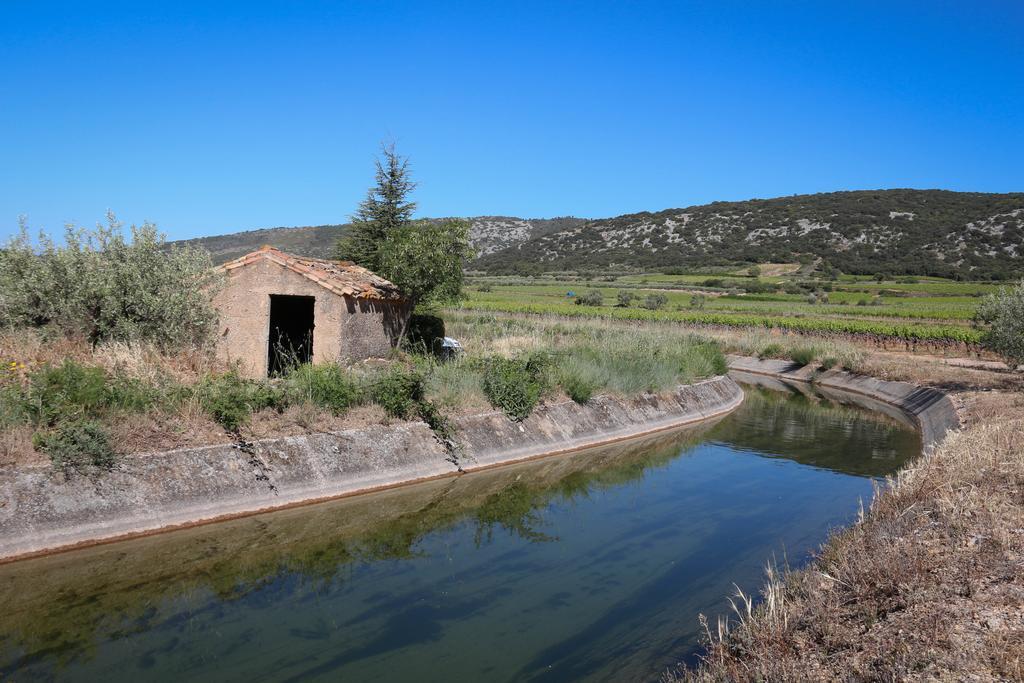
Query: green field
[[923, 310]]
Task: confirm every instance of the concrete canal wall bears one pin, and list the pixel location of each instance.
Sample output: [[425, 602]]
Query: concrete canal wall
[[930, 410], [43, 510]]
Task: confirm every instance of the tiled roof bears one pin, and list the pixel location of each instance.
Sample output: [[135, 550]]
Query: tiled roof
[[341, 277]]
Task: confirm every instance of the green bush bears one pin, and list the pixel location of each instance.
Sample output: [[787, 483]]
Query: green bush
[[515, 385], [76, 444], [66, 391], [579, 388], [591, 298], [625, 298], [1003, 315], [231, 400], [772, 350], [131, 394], [655, 301], [829, 362], [102, 286], [14, 405], [802, 355], [398, 390], [327, 386]]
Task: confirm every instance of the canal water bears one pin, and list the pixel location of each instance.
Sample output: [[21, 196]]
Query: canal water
[[593, 566]]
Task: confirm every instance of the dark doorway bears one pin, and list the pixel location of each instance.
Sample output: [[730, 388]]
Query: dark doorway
[[291, 332]]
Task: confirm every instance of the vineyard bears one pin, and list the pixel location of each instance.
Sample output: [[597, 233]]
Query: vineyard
[[935, 314]]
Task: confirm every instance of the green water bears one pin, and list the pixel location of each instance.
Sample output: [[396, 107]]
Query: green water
[[586, 567]]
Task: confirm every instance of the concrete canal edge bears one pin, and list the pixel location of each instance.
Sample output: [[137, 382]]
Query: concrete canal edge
[[931, 410], [43, 511]]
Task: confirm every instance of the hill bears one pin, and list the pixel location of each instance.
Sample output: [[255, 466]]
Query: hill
[[905, 232], [916, 232], [488, 234]]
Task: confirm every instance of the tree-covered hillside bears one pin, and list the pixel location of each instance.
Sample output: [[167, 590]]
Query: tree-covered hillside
[[913, 232], [919, 232]]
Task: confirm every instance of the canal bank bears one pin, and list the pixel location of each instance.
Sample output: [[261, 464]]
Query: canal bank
[[932, 411], [591, 566], [927, 585], [43, 510]]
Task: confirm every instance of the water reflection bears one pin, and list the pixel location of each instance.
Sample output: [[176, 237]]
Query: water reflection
[[590, 565]]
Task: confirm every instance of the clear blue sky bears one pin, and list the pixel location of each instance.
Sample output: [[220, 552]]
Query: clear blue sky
[[214, 117]]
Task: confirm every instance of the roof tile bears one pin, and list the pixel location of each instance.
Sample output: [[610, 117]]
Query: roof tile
[[341, 277]]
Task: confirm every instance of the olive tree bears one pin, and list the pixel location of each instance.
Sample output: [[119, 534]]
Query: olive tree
[[1002, 314], [101, 285]]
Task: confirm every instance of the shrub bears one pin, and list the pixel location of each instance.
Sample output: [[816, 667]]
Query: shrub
[[102, 286], [398, 390], [697, 301], [770, 351], [758, 287], [455, 383], [67, 391], [625, 298], [579, 387], [14, 405], [515, 385], [1003, 314], [591, 298], [76, 444], [231, 400], [802, 355], [328, 386], [484, 288], [655, 301], [131, 394], [829, 362], [438, 422]]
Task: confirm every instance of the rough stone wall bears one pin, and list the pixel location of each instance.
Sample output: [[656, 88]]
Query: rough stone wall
[[371, 327], [344, 328]]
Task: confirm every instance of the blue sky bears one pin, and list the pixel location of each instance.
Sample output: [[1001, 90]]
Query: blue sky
[[214, 117]]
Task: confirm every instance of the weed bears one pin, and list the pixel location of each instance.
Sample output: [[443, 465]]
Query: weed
[[76, 444], [231, 400], [327, 386], [802, 355], [515, 384], [398, 390], [67, 391]]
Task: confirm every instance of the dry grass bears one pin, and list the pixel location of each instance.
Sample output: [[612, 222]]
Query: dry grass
[[33, 348], [928, 586]]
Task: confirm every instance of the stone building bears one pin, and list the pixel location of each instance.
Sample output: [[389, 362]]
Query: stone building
[[276, 308]]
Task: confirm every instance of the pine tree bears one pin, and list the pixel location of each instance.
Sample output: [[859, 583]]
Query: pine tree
[[385, 209]]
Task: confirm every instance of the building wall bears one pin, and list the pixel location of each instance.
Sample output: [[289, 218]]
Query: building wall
[[345, 329]]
